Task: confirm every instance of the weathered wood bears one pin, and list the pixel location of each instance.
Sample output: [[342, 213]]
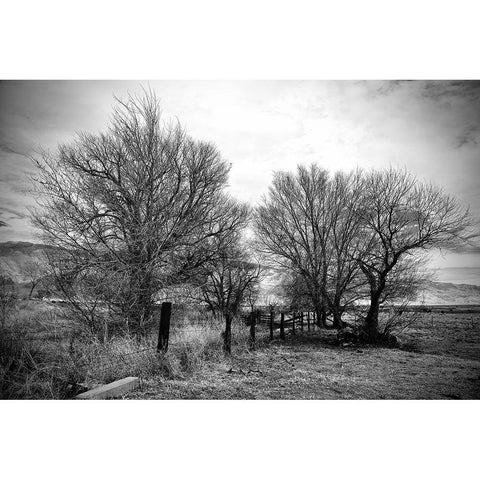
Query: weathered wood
[[227, 341], [253, 320], [272, 319], [282, 326], [293, 324], [301, 321], [164, 327], [308, 321], [111, 390]]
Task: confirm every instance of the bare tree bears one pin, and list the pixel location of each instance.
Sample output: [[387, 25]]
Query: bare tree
[[130, 211], [401, 216], [344, 283], [230, 280], [404, 284], [35, 270], [294, 291], [308, 227]]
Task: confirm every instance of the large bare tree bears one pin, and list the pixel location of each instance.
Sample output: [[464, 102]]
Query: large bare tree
[[401, 216], [130, 210], [344, 283], [308, 227]]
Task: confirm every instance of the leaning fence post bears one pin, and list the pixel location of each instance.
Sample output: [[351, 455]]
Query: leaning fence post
[[164, 327], [282, 326], [253, 320], [272, 317]]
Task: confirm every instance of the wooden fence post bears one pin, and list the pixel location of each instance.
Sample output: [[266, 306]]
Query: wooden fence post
[[293, 324], [227, 339], [301, 321], [308, 321], [282, 326], [164, 327], [272, 318], [253, 321]]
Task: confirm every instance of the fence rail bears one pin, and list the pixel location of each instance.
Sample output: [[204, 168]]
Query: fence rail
[[284, 322], [281, 321]]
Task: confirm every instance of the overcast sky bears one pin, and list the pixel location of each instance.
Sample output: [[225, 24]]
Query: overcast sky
[[432, 128]]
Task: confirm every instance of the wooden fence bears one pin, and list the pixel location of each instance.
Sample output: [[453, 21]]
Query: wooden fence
[[283, 321]]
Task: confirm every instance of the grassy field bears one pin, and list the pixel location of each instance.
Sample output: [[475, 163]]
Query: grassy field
[[439, 358]]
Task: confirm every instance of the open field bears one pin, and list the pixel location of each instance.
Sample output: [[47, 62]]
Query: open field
[[439, 358]]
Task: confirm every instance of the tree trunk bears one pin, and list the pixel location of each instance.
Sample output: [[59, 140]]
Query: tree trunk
[[272, 319], [371, 320], [227, 337], [253, 321], [141, 290], [337, 317], [140, 313], [321, 315], [164, 327]]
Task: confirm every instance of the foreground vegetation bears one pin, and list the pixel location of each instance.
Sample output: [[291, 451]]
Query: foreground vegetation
[[43, 356], [439, 359]]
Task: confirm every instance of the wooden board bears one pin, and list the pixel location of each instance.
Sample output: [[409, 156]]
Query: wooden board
[[111, 390]]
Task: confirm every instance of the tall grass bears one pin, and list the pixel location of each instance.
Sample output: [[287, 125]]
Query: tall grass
[[44, 356]]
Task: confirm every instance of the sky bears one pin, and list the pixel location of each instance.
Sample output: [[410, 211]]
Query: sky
[[431, 128]]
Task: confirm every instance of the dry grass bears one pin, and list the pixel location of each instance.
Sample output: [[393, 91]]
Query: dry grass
[[444, 365], [45, 356], [439, 358], [450, 334]]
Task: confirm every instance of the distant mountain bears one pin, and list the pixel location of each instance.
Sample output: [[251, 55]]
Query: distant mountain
[[434, 293], [15, 257], [456, 275], [441, 293]]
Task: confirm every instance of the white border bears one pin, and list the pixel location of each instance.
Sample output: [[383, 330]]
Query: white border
[[237, 40]]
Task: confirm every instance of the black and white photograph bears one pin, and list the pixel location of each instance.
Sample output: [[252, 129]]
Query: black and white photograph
[[239, 239]]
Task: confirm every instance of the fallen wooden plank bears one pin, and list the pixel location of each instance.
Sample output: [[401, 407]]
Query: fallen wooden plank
[[111, 390]]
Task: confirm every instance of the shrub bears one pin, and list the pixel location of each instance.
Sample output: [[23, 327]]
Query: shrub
[[44, 356]]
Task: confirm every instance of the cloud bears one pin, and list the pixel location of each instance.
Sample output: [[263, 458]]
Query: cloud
[[470, 246], [15, 212], [447, 90], [7, 149], [430, 127], [469, 136]]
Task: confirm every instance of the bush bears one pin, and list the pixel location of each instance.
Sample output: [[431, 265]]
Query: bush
[[25, 369], [44, 356]]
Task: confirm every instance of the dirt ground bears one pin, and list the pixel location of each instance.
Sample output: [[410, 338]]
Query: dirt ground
[[439, 359]]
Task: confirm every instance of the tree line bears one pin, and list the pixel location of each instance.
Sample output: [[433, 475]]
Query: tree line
[[143, 207]]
